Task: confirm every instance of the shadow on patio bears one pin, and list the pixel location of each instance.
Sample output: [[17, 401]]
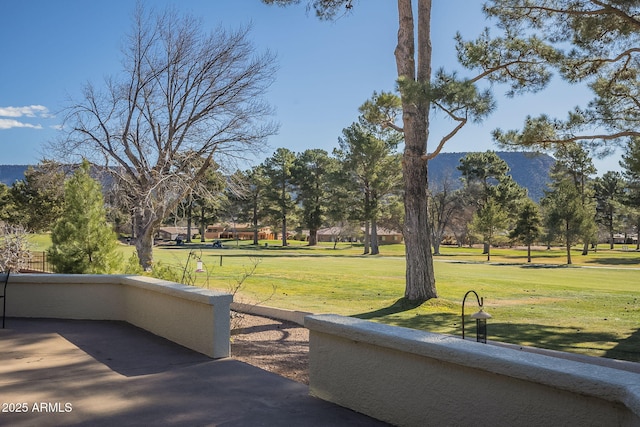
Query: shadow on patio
[[68, 372]]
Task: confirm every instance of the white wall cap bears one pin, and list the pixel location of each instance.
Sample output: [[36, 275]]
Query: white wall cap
[[578, 377]]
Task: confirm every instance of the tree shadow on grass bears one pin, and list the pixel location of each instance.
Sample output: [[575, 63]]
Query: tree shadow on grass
[[616, 261], [627, 348], [550, 337], [399, 306]]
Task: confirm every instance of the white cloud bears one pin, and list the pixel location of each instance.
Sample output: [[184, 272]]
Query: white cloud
[[27, 111], [10, 123]]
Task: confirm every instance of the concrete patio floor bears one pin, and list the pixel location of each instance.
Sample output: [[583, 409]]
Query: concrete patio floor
[[102, 373]]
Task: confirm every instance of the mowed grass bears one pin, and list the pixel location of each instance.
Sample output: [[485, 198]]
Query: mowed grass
[[592, 307]]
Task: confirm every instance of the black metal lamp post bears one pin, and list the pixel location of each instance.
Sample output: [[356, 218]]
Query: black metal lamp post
[[481, 318]]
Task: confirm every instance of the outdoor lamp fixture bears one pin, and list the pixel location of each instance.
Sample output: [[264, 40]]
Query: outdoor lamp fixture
[[481, 318]]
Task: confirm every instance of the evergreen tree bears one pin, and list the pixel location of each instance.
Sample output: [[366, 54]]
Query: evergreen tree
[[574, 163], [565, 214], [609, 193], [589, 42], [247, 198], [7, 209], [496, 194], [312, 173], [279, 170], [83, 242], [38, 198], [631, 170], [528, 226], [368, 157], [488, 221]]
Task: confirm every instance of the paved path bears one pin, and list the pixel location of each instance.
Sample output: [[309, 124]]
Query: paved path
[[94, 373]]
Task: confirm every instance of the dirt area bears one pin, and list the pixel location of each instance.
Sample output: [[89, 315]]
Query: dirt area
[[273, 345]]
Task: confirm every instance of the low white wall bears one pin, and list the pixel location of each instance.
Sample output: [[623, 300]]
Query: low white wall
[[193, 317], [413, 378]]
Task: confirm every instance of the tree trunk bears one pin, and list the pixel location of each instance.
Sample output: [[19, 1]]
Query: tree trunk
[[568, 240], [189, 213], [436, 247], [367, 238], [255, 224], [284, 230], [437, 234], [203, 227], [529, 252], [133, 227], [611, 245], [420, 279], [313, 237], [585, 248], [144, 227], [375, 250]]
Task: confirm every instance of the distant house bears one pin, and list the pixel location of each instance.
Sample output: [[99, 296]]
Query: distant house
[[239, 231], [171, 233], [624, 239], [348, 234], [214, 231], [389, 236], [337, 234]]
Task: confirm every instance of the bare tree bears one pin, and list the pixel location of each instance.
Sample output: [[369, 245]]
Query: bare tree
[[184, 98], [444, 201]]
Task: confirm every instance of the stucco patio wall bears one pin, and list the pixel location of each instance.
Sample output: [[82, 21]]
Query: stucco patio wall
[[414, 378], [193, 317]]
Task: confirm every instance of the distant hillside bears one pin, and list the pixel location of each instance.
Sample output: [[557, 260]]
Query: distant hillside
[[529, 170], [12, 173]]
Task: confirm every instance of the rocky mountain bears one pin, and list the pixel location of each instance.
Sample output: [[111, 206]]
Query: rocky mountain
[[529, 170]]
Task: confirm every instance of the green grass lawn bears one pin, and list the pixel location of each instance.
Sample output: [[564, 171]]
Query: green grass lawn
[[592, 307]]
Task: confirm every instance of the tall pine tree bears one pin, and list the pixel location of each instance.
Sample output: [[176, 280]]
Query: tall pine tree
[[83, 242]]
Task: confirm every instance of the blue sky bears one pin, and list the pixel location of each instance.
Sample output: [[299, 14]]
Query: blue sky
[[50, 49]]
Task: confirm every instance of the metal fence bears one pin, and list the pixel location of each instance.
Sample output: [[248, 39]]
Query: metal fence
[[39, 263]]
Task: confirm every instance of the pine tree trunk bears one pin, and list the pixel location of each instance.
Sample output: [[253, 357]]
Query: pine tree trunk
[[313, 237], [367, 238], [284, 230], [254, 220], [611, 244], [375, 250], [420, 279], [568, 240]]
